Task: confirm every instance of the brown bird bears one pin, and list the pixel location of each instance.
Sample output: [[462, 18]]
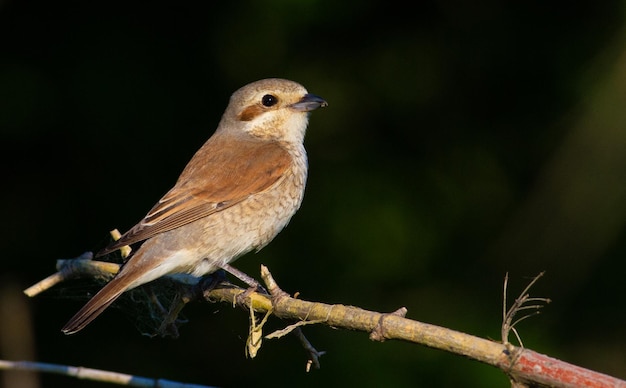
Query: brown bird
[[235, 195]]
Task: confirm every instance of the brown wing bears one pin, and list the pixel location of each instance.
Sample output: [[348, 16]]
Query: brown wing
[[224, 172]]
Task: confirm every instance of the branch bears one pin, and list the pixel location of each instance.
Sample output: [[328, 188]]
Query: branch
[[520, 304], [523, 366], [95, 375]]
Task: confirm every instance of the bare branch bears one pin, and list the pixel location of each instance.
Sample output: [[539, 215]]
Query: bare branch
[[523, 365], [520, 304], [58, 277], [95, 375]]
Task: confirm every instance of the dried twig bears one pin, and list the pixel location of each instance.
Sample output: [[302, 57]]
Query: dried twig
[[95, 375], [524, 365], [520, 304]]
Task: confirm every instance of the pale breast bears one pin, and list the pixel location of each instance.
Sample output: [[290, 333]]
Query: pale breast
[[249, 225], [262, 216]]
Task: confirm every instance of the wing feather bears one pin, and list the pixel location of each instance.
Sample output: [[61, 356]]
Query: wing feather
[[224, 172]]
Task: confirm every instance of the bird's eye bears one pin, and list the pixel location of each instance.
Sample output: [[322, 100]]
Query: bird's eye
[[269, 100]]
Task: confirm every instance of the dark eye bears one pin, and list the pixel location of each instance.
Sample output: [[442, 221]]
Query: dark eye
[[269, 100]]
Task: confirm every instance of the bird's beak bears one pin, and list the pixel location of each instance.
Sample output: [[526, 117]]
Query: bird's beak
[[309, 102]]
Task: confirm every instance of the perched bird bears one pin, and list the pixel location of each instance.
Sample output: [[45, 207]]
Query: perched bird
[[235, 195]]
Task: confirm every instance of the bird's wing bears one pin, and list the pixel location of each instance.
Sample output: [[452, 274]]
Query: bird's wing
[[223, 173]]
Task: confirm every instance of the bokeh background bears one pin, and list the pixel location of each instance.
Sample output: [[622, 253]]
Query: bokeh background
[[463, 140]]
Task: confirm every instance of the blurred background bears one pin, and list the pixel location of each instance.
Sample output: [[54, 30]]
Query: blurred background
[[462, 141]]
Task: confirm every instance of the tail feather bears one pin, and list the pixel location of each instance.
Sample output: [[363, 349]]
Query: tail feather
[[137, 270], [96, 305]]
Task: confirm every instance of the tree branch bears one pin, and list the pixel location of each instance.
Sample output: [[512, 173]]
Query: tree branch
[[95, 375], [523, 366]]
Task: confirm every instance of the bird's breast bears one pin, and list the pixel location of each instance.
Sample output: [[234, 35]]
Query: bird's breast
[[278, 204], [222, 237]]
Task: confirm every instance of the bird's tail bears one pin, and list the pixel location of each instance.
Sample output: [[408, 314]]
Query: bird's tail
[[96, 305]]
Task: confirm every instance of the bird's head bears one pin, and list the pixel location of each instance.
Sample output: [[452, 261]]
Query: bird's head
[[272, 109]]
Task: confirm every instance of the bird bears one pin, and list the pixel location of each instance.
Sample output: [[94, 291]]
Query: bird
[[238, 191]]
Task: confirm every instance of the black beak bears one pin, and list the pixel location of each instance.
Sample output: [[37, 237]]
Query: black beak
[[309, 102]]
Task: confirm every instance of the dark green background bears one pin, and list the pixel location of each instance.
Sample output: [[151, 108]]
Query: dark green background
[[462, 140]]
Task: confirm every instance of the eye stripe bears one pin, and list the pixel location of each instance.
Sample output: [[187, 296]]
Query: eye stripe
[[250, 112]]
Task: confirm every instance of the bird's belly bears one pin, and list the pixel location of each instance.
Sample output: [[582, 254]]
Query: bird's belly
[[205, 245]]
